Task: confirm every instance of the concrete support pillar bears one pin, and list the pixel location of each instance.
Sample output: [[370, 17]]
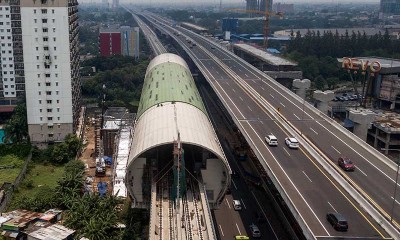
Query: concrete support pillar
[[362, 121], [376, 138], [301, 86], [322, 99]]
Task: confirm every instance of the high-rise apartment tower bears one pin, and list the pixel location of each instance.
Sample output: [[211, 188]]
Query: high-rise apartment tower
[[51, 67]]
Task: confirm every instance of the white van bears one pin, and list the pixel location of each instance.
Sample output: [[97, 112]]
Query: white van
[[237, 205], [271, 140]]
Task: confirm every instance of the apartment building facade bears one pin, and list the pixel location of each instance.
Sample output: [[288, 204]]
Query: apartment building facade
[[12, 81], [51, 67]]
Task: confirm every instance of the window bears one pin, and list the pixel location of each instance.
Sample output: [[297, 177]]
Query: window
[[6, 86], [54, 29], [41, 118], [55, 48], [40, 93], [55, 66], [50, 118], [48, 84], [37, 57], [5, 79], [37, 49], [58, 101], [40, 110], [55, 57], [44, 20], [38, 84], [54, 39], [50, 127], [47, 75], [52, 11], [44, 11], [45, 39], [48, 92], [35, 29], [11, 79], [35, 20], [46, 66], [6, 93], [12, 86], [37, 66], [34, 10], [57, 84], [48, 101], [56, 74], [40, 101], [38, 75], [1, 23], [46, 48], [36, 39], [58, 118], [58, 109], [57, 92], [54, 20], [51, 135], [45, 29], [49, 110]]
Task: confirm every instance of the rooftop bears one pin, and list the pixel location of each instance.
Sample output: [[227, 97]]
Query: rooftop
[[265, 56]]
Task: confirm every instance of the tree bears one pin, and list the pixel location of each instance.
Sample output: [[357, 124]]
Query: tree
[[319, 83], [16, 129], [332, 81]]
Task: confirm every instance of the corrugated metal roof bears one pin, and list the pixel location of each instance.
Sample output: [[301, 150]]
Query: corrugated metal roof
[[157, 126], [168, 81], [268, 57]]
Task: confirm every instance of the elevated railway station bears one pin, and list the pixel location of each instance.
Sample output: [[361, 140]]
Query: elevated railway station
[[176, 161]]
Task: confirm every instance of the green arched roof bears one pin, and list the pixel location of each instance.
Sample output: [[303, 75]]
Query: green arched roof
[[169, 82]]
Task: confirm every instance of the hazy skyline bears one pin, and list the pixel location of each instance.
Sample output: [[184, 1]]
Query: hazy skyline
[[234, 1]]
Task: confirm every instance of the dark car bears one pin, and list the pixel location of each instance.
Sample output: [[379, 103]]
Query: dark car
[[346, 164], [338, 222]]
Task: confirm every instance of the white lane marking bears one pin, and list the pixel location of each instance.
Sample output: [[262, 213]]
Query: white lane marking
[[286, 151], [241, 98], [395, 200], [253, 80], [238, 229], [314, 131], [286, 175], [262, 122], [249, 108], [265, 215], [228, 203], [361, 171], [246, 75], [283, 105], [296, 116], [228, 83], [332, 207], [222, 232], [217, 72], [244, 205], [271, 95], [263, 88], [336, 150], [234, 184], [234, 90], [307, 176], [240, 70]]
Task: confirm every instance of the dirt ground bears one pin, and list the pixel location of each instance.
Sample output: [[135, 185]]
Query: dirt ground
[[89, 158]]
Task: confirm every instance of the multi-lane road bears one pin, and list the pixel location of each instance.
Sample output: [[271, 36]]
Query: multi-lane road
[[252, 99]]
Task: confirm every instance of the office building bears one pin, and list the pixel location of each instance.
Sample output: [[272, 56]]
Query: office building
[[51, 64], [119, 41], [390, 7]]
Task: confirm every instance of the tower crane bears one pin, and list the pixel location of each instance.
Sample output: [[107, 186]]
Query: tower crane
[[266, 14]]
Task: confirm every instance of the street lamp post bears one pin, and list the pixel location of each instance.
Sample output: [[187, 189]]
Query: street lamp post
[[397, 178]]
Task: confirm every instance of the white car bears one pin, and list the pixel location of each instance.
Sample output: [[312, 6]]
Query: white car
[[292, 142], [271, 140], [237, 205]]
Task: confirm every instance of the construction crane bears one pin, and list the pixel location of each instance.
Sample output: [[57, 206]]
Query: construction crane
[[266, 14]]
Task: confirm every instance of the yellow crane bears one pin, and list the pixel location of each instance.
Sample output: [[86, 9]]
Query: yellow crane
[[266, 14]]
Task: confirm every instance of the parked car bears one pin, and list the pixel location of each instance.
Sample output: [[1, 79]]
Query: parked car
[[255, 231], [292, 142], [271, 140], [346, 164], [338, 222], [237, 205]]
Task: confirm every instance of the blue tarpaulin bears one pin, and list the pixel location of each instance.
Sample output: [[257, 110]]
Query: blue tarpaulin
[[102, 187], [107, 160], [348, 123]]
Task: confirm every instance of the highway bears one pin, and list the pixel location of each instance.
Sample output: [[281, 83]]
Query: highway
[[252, 99]]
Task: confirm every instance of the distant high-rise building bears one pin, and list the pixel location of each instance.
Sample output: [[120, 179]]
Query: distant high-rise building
[[12, 81], [391, 7], [283, 7], [104, 3], [115, 4], [257, 5], [51, 64], [121, 41]]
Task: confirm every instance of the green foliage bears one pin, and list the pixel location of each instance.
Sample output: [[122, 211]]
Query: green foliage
[[16, 129], [9, 174], [135, 221], [44, 199], [19, 150], [319, 82], [122, 77]]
